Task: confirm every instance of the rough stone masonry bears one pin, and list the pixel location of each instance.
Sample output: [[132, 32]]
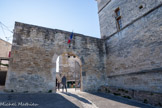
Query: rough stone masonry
[[129, 55], [133, 51], [34, 53]]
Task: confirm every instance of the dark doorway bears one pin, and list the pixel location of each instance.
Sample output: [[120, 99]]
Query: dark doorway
[[70, 84], [2, 77]]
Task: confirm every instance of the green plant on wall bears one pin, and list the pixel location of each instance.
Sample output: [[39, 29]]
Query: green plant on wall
[[4, 64]]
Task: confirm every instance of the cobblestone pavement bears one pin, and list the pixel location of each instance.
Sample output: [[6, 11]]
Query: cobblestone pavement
[[72, 99]]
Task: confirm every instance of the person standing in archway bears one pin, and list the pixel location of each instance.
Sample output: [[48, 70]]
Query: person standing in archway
[[56, 83], [64, 83]]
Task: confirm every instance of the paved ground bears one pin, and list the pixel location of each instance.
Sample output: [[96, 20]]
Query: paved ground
[[72, 99]]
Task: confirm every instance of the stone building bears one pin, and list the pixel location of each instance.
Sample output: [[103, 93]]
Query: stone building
[[126, 61], [132, 32], [5, 48]]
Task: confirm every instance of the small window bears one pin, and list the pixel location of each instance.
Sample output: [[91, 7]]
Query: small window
[[119, 22], [118, 18]]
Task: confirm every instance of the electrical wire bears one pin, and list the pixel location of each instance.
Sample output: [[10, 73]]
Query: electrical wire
[[6, 27], [3, 31]]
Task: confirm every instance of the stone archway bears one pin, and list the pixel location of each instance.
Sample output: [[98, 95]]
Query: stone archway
[[69, 65], [53, 70], [34, 53]]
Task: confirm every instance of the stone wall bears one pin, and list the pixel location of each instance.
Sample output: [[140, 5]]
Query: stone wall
[[34, 53], [129, 10], [5, 48], [134, 52], [102, 4], [137, 49], [143, 96]]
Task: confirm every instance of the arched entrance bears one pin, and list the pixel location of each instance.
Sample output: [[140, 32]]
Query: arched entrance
[[70, 66]]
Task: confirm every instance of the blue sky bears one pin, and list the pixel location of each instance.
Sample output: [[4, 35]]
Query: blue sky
[[77, 15]]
